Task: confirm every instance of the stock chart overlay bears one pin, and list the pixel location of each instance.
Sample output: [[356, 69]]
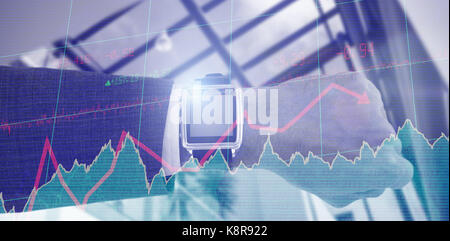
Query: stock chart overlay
[[344, 111]]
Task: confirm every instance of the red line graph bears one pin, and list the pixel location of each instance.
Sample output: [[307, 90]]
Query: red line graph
[[48, 149], [362, 99], [110, 171]]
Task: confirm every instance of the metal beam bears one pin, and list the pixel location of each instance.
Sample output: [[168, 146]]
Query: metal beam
[[214, 39], [151, 43], [308, 64], [236, 34]]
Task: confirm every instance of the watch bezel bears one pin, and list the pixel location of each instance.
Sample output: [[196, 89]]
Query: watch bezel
[[209, 145]]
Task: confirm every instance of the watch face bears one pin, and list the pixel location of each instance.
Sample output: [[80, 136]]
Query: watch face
[[210, 115]]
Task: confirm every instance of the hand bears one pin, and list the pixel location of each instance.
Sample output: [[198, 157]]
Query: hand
[[347, 113]]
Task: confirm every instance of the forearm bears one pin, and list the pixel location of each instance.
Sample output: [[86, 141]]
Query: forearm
[[322, 116], [77, 115]]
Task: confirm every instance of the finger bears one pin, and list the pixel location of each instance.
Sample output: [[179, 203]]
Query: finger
[[339, 201], [370, 193], [343, 200], [398, 171]]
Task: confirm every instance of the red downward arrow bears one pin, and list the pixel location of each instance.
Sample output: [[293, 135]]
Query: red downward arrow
[[362, 99]]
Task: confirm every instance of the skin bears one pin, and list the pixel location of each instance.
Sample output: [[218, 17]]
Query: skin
[[346, 125]]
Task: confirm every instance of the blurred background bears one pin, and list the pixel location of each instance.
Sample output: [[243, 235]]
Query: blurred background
[[400, 45]]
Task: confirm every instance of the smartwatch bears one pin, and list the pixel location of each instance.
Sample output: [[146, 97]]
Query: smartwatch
[[212, 118]]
